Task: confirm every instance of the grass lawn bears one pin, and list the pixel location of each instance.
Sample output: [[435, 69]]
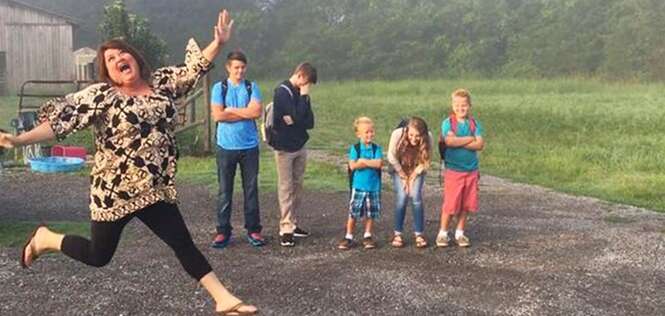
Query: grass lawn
[[320, 176], [583, 137]]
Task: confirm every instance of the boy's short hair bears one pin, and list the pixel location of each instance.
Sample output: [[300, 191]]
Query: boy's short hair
[[236, 55], [361, 120], [463, 93], [308, 71]]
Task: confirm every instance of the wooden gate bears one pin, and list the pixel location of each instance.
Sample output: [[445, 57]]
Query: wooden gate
[[187, 113]]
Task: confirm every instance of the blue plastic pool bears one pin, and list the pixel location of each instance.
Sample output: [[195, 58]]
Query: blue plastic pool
[[56, 164]]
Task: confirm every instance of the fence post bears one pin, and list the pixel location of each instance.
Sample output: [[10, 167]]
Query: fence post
[[207, 139], [192, 112]]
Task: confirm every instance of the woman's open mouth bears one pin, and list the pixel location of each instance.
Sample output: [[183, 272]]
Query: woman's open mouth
[[124, 67]]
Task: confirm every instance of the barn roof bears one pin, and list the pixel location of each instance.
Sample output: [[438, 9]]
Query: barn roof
[[68, 19]]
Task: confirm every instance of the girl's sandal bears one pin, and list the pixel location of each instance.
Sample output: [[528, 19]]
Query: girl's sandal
[[421, 242], [238, 310], [397, 241]]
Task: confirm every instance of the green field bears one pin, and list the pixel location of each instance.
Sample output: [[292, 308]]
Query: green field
[[576, 136], [321, 176], [583, 137]]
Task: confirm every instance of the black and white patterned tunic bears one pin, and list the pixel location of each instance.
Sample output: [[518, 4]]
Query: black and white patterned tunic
[[135, 161]]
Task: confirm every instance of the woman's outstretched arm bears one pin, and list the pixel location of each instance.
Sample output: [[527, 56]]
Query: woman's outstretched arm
[[41, 133]]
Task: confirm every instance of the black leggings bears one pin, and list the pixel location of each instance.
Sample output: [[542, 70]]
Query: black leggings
[[162, 218]]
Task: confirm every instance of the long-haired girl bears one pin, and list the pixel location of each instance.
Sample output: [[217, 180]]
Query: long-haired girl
[[409, 154]]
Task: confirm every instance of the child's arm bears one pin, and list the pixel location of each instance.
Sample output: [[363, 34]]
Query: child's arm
[[478, 144], [373, 163], [458, 141], [357, 164]]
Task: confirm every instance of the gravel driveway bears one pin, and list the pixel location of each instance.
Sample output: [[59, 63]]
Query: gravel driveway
[[535, 252]]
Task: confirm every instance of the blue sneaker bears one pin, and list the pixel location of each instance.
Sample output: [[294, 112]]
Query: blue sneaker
[[256, 240], [221, 241]]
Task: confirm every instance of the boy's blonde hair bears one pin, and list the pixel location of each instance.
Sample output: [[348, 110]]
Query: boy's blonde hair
[[361, 120], [463, 93]]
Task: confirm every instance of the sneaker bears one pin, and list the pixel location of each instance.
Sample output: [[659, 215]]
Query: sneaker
[[256, 240], [369, 243], [300, 233], [345, 244], [463, 241], [221, 241], [442, 240], [286, 240]]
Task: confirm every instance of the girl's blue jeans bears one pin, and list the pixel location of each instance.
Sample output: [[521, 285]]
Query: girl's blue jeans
[[401, 199]]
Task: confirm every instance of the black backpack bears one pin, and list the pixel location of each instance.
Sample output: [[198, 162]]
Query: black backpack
[[350, 172], [402, 123]]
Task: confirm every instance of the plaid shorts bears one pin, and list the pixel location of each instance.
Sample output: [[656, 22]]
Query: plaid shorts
[[365, 203]]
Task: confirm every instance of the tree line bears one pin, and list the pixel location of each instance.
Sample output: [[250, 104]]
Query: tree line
[[393, 39]]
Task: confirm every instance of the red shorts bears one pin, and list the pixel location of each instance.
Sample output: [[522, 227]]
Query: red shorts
[[460, 191]]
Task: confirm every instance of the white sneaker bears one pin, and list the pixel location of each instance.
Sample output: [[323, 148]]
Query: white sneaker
[[463, 241], [442, 240]]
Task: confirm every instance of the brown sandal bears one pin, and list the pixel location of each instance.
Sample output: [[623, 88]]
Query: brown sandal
[[421, 242], [235, 311], [33, 257], [397, 241]]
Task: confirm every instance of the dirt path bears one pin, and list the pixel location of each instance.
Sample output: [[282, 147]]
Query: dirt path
[[535, 252]]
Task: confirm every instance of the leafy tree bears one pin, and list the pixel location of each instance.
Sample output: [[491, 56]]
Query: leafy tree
[[119, 23], [387, 39]]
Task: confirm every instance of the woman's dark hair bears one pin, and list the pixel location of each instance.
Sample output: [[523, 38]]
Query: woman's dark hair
[[118, 43]]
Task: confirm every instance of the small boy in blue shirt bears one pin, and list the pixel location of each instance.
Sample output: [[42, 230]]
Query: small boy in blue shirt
[[365, 162]]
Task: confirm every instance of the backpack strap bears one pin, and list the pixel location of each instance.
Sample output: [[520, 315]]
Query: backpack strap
[[225, 89], [287, 90], [472, 125], [356, 148], [248, 86], [453, 124]]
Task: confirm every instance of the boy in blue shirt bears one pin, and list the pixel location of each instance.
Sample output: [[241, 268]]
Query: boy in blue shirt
[[365, 162], [236, 103]]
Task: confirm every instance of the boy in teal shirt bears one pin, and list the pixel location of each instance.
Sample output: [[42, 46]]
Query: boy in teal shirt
[[463, 139]]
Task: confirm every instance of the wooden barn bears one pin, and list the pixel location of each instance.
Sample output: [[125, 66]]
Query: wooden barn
[[34, 44]]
